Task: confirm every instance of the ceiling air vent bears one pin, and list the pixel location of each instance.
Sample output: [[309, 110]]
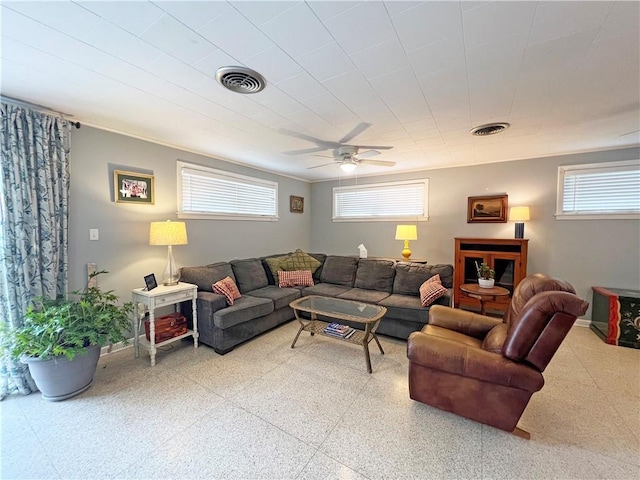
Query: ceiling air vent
[[240, 79], [489, 129]]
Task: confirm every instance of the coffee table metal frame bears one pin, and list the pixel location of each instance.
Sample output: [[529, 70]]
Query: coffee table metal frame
[[313, 325]]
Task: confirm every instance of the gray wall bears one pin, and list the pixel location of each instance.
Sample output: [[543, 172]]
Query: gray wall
[[123, 248], [584, 252]]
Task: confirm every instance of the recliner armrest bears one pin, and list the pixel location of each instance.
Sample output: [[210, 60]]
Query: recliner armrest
[[458, 359], [462, 321]]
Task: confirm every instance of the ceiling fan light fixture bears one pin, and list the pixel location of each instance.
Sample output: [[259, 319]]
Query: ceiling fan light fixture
[[348, 167]]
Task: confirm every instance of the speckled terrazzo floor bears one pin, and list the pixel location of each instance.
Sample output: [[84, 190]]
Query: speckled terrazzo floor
[[268, 411]]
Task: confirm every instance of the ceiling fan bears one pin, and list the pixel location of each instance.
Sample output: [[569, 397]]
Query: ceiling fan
[[345, 155], [348, 158]]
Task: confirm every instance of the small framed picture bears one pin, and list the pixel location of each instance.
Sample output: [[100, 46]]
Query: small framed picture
[[488, 209], [296, 204], [150, 282], [130, 187]]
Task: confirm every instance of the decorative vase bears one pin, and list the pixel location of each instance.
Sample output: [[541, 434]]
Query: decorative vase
[[486, 282], [59, 378]]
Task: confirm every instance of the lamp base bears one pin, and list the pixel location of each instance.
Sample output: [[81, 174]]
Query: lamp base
[[406, 253], [171, 272], [519, 230]]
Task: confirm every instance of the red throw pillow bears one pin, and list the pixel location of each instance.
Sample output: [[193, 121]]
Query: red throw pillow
[[295, 278], [431, 290], [228, 288]]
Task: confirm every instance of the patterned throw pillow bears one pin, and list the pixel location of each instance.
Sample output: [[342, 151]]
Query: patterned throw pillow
[[299, 260], [295, 278], [274, 265], [228, 288], [431, 290]]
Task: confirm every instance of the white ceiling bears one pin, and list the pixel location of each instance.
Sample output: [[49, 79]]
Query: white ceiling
[[564, 74]]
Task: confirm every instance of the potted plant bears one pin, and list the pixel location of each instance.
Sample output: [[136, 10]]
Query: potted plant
[[61, 338], [486, 275]]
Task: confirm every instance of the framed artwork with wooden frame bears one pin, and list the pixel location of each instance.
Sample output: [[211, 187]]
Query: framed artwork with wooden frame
[[296, 204], [487, 209], [131, 187]]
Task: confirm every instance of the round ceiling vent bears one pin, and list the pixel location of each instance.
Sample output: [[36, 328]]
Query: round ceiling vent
[[240, 79], [489, 129]]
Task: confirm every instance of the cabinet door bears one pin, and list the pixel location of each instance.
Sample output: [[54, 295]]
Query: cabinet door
[[507, 267]]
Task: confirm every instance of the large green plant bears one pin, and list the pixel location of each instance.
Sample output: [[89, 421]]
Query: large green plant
[[66, 327]]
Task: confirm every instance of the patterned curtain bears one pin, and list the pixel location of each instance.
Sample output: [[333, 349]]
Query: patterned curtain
[[34, 196]]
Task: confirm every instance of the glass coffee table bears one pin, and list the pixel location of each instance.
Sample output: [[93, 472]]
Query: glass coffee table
[[339, 309]]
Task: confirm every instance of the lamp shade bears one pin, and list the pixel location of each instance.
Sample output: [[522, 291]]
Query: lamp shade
[[168, 233], [518, 214], [406, 232], [348, 167]]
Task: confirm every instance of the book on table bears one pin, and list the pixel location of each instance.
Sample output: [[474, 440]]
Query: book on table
[[338, 330]]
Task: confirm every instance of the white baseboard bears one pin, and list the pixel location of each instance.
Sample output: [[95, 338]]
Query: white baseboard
[[582, 322]]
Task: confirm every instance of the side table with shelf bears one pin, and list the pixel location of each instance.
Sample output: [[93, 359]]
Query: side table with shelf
[[162, 296]]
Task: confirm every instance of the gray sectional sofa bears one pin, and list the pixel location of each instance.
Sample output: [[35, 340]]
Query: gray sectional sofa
[[263, 305]]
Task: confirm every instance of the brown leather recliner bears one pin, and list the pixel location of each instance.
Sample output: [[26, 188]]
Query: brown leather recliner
[[485, 369]]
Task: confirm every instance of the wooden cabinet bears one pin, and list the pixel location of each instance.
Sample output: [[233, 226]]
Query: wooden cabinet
[[507, 256]]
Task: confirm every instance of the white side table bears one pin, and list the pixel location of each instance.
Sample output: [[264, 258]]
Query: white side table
[[162, 296]]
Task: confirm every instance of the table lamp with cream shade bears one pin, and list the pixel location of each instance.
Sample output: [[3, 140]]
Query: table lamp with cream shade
[[406, 233], [169, 233], [519, 215]]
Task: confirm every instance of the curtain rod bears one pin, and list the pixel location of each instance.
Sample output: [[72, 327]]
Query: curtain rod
[[39, 108]]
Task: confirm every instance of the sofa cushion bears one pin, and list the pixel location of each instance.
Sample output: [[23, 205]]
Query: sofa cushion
[[339, 270], [244, 309], [299, 260], [272, 265], [365, 296], [321, 257], [281, 297], [431, 290], [325, 290], [295, 278], [405, 307], [410, 275], [495, 338], [205, 277], [228, 288], [249, 273], [375, 275]]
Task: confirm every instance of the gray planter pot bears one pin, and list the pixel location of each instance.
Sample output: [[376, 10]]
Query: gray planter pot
[[60, 378]]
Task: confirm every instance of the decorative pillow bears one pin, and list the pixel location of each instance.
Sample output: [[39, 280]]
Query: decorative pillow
[[274, 265], [299, 260], [431, 290], [295, 278], [228, 288]]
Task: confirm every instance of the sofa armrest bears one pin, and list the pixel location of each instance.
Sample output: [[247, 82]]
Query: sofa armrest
[[209, 303], [461, 321], [458, 359]]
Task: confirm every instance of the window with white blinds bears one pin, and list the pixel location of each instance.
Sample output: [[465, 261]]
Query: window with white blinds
[[599, 190], [211, 193], [382, 201]]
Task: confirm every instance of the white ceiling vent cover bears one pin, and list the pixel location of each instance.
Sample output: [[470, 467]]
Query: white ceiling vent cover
[[240, 79], [489, 129]]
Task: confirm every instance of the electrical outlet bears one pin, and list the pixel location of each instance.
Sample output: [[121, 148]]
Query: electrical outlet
[[92, 268], [94, 234]]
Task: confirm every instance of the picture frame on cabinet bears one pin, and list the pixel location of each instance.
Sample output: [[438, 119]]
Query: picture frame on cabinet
[[487, 209]]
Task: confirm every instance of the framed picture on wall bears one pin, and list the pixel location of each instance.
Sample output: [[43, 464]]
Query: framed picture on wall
[[488, 209], [296, 204], [131, 187]]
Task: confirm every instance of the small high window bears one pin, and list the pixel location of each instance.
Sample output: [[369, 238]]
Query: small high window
[[204, 192], [382, 201], [599, 190]]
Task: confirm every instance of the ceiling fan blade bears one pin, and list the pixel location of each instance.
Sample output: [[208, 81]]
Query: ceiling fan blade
[[323, 165], [628, 133], [355, 132], [380, 163], [304, 151], [303, 136], [324, 156], [374, 147], [368, 154]]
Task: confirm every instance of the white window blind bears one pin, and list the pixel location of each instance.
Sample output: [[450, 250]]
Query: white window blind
[[206, 192], [599, 190], [382, 201]]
